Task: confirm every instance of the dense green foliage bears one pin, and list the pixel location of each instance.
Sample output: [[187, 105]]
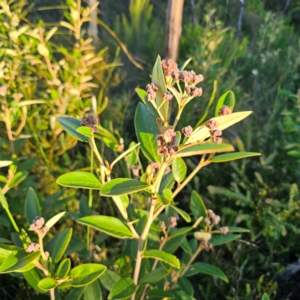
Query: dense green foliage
[[52, 69]]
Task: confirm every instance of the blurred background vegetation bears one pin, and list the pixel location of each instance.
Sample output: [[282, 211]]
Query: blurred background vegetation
[[259, 62]]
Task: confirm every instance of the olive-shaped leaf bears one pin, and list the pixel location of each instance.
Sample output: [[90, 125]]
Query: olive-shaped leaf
[[85, 274], [47, 284], [210, 270], [54, 219], [123, 289], [122, 186], [61, 244], [154, 276], [197, 205], [32, 206], [84, 180], [182, 213], [204, 148], [222, 239], [70, 125], [93, 291], [110, 225], [18, 178], [163, 256], [146, 132], [33, 277], [179, 169], [63, 268], [233, 156]]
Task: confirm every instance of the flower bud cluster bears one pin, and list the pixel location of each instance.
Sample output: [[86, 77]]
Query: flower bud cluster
[[135, 170], [33, 247], [167, 96], [212, 217], [169, 66], [224, 110], [37, 226], [206, 245], [90, 121], [187, 131], [193, 91], [224, 230], [189, 77], [151, 91], [166, 142], [173, 221], [214, 132]]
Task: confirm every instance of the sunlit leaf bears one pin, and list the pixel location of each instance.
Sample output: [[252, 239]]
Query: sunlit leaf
[[122, 186], [227, 99], [163, 256], [110, 225], [84, 180], [233, 156], [70, 125]]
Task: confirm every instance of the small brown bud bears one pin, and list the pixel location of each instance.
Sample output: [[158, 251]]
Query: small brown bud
[[167, 96], [215, 132], [90, 121], [187, 131], [217, 140], [172, 222], [32, 247], [151, 87], [210, 213], [151, 95], [38, 222], [44, 231], [167, 170], [175, 75], [169, 66], [162, 225], [224, 110], [216, 219], [169, 136], [224, 230], [207, 221], [197, 79], [212, 124], [135, 170]]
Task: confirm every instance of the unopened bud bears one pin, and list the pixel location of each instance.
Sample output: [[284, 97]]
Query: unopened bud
[[224, 110]]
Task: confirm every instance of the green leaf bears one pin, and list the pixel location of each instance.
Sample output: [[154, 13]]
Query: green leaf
[[182, 213], [202, 132], [85, 274], [110, 225], [5, 163], [167, 182], [265, 297], [204, 148], [146, 132], [210, 270], [122, 186], [86, 131], [186, 246], [227, 99], [159, 79], [47, 284], [84, 180], [109, 279], [186, 285], [197, 206], [75, 294], [61, 244], [123, 289], [18, 178], [17, 262], [237, 229], [93, 291], [222, 239], [33, 277], [3, 200], [63, 269], [232, 156], [70, 125], [179, 169], [54, 219], [163, 256], [173, 243], [142, 94], [154, 276], [32, 206], [160, 294], [179, 231]]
